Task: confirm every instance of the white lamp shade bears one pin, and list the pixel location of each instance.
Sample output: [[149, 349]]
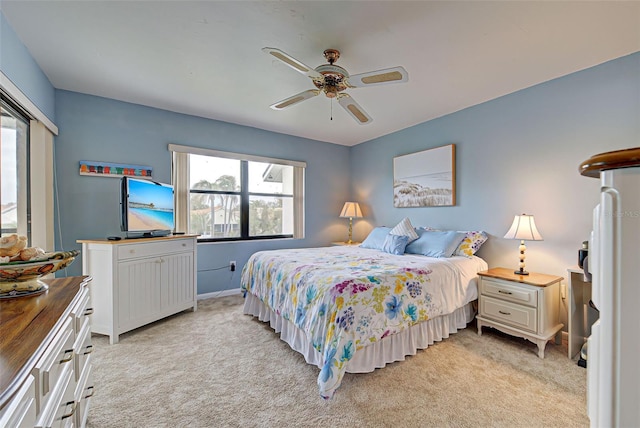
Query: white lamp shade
[[351, 209], [524, 228]]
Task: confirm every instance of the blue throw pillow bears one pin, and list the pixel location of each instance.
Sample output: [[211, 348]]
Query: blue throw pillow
[[376, 237], [395, 244], [435, 243]]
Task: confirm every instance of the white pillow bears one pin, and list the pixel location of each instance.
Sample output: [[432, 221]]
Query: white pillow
[[405, 228]]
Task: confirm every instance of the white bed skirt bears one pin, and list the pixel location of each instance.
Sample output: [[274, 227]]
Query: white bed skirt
[[377, 355]]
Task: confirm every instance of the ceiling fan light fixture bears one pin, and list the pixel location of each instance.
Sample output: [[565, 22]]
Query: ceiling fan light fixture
[[333, 80], [331, 91]]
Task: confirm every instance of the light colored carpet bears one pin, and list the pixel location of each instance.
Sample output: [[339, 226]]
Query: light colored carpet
[[219, 368]]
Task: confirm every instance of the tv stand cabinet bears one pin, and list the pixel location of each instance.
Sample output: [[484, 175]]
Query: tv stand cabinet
[[139, 281]]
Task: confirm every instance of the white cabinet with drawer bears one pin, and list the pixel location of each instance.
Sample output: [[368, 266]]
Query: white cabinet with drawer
[[526, 306], [139, 281]]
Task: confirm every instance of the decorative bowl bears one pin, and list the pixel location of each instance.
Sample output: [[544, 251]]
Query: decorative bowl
[[23, 278]]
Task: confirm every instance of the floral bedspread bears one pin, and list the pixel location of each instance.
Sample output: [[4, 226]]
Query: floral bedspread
[[345, 298]]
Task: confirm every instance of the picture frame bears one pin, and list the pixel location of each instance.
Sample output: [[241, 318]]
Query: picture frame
[[111, 169], [426, 178]]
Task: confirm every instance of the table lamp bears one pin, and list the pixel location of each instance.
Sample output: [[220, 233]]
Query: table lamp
[[524, 229], [351, 210]]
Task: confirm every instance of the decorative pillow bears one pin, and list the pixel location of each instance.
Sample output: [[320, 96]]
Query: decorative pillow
[[471, 243], [395, 244], [435, 243], [375, 239], [405, 228]]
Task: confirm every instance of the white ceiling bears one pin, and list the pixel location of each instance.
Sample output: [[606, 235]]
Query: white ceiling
[[205, 59]]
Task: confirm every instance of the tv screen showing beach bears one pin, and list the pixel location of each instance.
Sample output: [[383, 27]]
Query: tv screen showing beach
[[149, 206]]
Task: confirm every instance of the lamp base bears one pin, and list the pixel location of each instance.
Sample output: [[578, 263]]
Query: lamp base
[[521, 272]]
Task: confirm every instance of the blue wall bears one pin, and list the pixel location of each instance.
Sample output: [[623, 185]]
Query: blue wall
[[19, 66], [100, 129], [516, 154]]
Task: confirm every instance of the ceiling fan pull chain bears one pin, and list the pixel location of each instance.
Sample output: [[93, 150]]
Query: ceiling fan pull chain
[[331, 109]]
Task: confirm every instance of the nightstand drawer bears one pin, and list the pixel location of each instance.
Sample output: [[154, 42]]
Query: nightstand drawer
[[509, 313], [509, 291]]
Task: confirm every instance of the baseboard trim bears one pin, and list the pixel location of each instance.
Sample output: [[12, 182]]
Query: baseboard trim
[[221, 293]]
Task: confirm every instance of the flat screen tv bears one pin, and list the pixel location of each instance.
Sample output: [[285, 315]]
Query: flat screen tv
[[147, 208]]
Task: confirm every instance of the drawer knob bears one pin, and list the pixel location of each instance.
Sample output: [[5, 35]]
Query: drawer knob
[[504, 292], [73, 405], [91, 390], [68, 356], [505, 313], [88, 349], [88, 311]]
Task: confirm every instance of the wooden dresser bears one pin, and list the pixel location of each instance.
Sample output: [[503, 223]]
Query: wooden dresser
[[45, 356]]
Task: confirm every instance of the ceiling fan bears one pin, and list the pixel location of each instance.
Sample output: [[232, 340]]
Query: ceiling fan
[[333, 80]]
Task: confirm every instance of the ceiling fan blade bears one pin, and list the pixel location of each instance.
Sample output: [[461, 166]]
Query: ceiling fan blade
[[354, 109], [293, 63], [295, 99], [380, 77]]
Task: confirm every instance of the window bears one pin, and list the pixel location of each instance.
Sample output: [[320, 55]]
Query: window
[[14, 171], [227, 196]]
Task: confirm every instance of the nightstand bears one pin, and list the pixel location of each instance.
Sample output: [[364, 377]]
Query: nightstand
[[347, 244], [525, 306]]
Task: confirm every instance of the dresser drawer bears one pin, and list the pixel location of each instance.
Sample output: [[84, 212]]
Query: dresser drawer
[[509, 291], [509, 313], [61, 406], [82, 347], [57, 357], [134, 251], [21, 410], [83, 394], [81, 311]]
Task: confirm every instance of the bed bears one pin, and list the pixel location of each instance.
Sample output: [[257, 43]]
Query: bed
[[352, 309]]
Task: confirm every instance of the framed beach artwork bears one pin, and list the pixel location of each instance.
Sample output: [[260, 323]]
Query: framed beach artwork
[[110, 169], [425, 179]]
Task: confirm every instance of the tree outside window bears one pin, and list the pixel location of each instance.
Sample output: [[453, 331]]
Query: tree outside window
[[237, 199]]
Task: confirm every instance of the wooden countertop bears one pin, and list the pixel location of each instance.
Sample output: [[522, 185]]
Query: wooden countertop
[[626, 158], [27, 322], [537, 279], [133, 240]]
